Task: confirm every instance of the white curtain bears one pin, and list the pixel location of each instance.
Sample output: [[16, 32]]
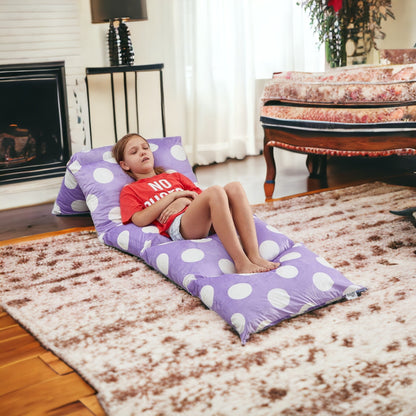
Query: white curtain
[[218, 51]]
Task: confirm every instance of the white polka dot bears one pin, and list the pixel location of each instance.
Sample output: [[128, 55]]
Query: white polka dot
[[273, 229], [92, 202], [108, 157], [322, 281], [278, 298], [290, 256], [153, 147], [351, 289], [192, 255], [240, 291], [226, 266], [69, 180], [207, 295], [178, 152], [202, 240], [74, 167], [288, 272], [263, 325], [123, 240], [188, 279], [103, 175], [162, 263], [306, 307], [150, 229], [269, 249], [101, 237], [79, 205], [322, 261], [147, 244], [56, 209], [114, 215], [239, 322]]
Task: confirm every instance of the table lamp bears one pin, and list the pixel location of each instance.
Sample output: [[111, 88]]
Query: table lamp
[[120, 47]]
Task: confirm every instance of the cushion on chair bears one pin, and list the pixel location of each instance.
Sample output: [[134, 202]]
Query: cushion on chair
[[346, 85]]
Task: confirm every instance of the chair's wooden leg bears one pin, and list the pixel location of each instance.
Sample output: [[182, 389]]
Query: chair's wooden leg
[[269, 183], [316, 165]]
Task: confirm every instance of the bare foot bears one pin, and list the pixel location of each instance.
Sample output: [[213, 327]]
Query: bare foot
[[249, 267], [269, 265]]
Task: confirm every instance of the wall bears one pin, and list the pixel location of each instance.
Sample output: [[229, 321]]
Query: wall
[[401, 32]]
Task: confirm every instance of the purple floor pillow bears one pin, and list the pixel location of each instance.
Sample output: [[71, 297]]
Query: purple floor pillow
[[253, 302], [71, 199], [249, 303], [182, 260]]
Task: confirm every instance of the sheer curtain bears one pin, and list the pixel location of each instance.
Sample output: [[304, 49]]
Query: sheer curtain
[[219, 50]]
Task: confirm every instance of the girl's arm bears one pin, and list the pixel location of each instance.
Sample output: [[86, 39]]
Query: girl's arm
[[149, 214]]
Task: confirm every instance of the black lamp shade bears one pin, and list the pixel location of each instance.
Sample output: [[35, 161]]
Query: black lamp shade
[[106, 10]]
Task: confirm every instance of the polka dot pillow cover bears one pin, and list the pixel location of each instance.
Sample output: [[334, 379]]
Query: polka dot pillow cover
[[71, 200], [252, 302], [249, 303]]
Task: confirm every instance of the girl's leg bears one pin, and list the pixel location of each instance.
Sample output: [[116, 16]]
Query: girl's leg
[[244, 223], [211, 207]]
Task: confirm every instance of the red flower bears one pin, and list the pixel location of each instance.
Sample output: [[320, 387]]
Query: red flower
[[336, 4]]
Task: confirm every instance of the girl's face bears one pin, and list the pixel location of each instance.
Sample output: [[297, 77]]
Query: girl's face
[[138, 158]]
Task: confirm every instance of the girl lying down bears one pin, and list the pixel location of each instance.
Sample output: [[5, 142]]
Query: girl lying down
[[181, 210]]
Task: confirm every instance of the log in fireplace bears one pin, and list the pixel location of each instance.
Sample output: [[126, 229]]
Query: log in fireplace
[[34, 130]]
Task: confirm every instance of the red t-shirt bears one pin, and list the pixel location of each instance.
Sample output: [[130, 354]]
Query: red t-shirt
[[145, 192]]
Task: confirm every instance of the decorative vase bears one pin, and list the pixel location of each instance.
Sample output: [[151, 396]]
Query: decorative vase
[[357, 45]]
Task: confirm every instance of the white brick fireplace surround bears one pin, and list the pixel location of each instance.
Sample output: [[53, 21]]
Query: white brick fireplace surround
[[36, 31]]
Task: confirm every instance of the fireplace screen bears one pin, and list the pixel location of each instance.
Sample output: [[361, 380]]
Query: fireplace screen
[[34, 139]]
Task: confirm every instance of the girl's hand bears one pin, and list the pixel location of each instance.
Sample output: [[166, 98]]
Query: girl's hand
[[186, 194], [176, 206]]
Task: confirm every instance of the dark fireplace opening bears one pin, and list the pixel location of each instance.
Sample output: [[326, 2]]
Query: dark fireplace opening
[[34, 131]]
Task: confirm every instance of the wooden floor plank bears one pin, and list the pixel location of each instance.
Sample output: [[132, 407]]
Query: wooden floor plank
[[55, 363], [92, 403], [19, 375], [71, 409], [6, 321], [19, 349], [10, 332], [38, 399]]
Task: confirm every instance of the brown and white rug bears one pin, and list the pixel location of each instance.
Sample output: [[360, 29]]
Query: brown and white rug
[[149, 348]]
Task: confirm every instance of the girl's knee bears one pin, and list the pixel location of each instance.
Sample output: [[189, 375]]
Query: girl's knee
[[215, 192], [234, 189]]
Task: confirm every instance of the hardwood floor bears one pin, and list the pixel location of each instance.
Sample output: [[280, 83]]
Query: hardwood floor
[[33, 381]]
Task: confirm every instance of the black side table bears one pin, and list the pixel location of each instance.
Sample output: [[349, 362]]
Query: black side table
[[111, 70]]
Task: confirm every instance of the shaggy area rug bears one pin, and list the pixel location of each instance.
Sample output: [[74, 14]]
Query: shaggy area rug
[[150, 348]]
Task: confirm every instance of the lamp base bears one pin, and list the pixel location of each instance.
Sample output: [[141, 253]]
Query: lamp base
[[120, 47], [126, 47], [113, 45]]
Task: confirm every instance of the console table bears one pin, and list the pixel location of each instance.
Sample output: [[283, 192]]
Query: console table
[[125, 69]]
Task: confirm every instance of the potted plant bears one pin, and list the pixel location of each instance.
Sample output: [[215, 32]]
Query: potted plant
[[352, 25]]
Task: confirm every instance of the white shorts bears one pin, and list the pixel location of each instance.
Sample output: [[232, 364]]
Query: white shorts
[[174, 230]]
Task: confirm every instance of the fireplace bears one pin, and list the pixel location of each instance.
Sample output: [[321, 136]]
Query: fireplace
[[34, 129]]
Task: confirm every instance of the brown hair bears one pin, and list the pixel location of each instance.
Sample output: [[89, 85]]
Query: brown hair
[[120, 147]]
